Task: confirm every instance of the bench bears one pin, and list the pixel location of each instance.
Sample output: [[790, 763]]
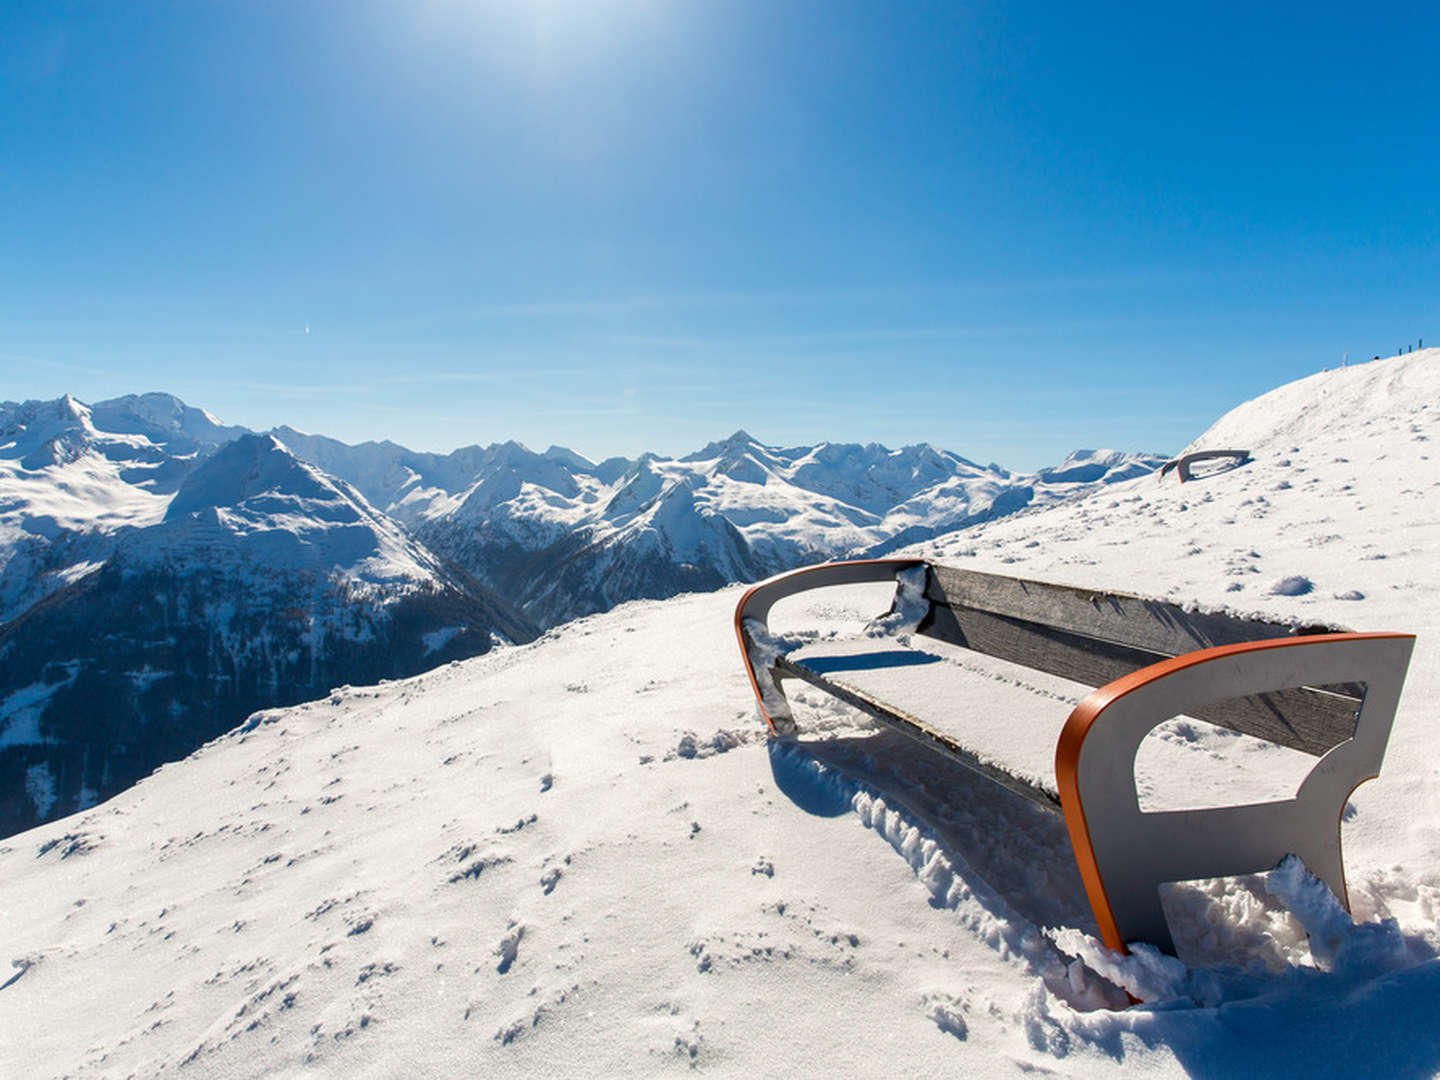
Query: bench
[[1182, 464], [1328, 693]]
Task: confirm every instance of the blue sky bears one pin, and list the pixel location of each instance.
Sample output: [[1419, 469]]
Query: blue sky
[[1009, 229]]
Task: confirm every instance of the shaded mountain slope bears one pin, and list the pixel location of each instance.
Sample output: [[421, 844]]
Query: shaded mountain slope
[[266, 583]]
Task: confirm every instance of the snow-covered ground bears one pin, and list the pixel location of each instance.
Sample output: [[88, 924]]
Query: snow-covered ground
[[582, 857]]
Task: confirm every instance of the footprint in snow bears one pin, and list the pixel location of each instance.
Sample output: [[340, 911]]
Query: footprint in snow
[[509, 947]]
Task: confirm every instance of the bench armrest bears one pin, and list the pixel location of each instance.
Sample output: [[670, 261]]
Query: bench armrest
[[752, 619], [1125, 855]]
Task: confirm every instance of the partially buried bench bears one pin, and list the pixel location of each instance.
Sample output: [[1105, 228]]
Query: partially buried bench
[[1183, 465], [1328, 693]]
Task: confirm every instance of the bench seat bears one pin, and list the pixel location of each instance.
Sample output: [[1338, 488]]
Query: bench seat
[[1006, 725]]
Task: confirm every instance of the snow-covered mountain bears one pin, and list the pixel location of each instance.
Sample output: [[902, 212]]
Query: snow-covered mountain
[[71, 475], [560, 535], [265, 582], [582, 857], [567, 537]]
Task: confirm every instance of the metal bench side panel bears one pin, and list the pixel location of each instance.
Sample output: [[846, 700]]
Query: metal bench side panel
[[1125, 854]]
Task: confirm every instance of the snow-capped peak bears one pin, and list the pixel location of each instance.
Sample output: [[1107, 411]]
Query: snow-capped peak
[[165, 420], [41, 433], [736, 444], [569, 458], [253, 466], [1092, 466]]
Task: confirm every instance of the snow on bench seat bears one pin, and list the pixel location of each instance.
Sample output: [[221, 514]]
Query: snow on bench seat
[[1010, 718], [1006, 716]]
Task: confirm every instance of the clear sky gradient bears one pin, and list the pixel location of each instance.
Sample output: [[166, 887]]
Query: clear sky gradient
[[1009, 229]]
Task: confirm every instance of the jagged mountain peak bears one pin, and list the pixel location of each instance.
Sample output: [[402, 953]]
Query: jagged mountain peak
[[254, 502], [565, 456], [732, 446], [135, 428], [641, 483], [42, 433], [254, 466], [745, 466], [512, 450], [39, 416]]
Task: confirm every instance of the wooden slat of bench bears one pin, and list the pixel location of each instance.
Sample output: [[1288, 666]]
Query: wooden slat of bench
[[1071, 656], [1153, 625], [1311, 719]]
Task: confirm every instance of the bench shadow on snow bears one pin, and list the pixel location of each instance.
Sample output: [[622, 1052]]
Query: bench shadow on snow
[[881, 660], [1017, 862], [1316, 1025], [1015, 857]]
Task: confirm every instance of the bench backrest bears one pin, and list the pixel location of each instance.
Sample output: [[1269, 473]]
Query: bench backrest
[[1094, 637]]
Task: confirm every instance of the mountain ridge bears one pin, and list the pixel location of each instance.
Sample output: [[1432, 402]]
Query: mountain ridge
[[497, 510]]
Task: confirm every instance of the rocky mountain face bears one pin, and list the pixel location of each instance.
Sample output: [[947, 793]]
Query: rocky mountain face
[[162, 575]]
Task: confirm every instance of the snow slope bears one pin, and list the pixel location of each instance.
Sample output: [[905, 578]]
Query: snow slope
[[580, 857]]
